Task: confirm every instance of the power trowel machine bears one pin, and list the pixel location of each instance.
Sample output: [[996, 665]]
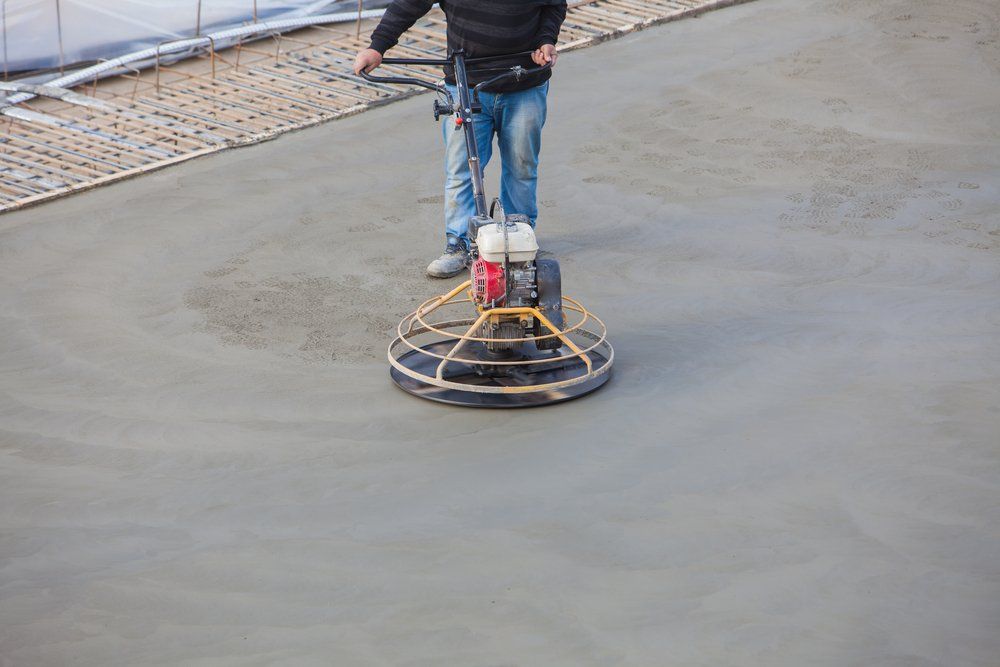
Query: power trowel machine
[[528, 344]]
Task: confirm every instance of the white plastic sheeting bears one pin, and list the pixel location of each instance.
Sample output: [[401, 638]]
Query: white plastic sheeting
[[37, 34]]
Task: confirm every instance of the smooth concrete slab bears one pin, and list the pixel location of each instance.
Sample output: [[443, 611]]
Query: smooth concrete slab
[[787, 213]]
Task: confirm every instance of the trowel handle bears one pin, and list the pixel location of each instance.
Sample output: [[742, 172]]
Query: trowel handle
[[517, 73], [405, 80]]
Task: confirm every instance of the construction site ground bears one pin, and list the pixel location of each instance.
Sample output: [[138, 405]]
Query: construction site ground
[[786, 212]]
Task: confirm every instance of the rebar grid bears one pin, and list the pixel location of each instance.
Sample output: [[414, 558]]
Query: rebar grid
[[241, 95]]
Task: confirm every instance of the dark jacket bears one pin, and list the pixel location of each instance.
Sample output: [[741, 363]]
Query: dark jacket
[[483, 28]]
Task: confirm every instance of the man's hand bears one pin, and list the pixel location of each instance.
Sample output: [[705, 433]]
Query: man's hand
[[546, 53], [367, 60]]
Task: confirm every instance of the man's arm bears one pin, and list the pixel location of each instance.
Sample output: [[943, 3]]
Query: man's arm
[[398, 18], [553, 15]]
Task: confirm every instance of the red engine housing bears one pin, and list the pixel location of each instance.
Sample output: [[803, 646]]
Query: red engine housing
[[489, 284]]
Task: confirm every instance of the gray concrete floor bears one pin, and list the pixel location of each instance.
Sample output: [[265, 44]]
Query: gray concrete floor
[[787, 214]]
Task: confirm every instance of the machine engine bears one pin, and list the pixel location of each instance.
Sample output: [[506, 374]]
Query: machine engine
[[493, 287], [506, 274]]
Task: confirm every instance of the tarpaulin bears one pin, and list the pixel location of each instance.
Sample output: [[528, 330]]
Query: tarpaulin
[[40, 34]]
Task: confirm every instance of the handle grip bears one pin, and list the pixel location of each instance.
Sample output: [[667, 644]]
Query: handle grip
[[404, 80], [516, 73]]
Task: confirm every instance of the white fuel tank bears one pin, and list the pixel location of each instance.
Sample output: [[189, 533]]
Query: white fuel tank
[[521, 243]]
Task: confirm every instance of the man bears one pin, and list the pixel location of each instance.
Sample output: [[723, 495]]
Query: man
[[514, 111]]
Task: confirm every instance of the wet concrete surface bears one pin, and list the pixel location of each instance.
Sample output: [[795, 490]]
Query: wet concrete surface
[[787, 214]]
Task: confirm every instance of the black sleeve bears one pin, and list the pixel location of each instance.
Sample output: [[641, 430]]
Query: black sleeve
[[553, 15], [398, 18]]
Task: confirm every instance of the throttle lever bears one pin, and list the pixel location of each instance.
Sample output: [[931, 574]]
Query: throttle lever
[[442, 109]]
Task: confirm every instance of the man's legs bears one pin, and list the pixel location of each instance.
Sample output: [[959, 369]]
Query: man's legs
[[459, 205], [519, 118]]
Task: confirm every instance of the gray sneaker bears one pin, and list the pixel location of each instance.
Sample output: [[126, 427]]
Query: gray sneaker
[[451, 263]]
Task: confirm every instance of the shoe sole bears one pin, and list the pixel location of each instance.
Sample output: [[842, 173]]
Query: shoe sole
[[431, 274]]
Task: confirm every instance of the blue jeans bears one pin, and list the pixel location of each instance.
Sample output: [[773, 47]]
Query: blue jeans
[[516, 119]]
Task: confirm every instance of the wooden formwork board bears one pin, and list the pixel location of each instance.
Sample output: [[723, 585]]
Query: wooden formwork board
[[242, 95]]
